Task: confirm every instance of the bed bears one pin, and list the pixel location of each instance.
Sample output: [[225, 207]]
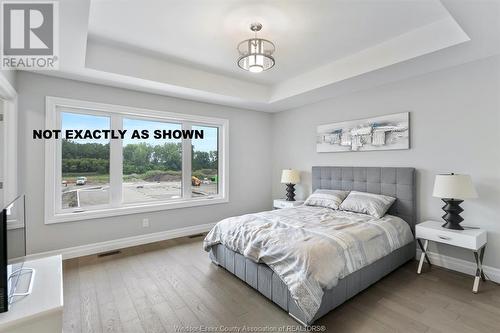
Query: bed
[[395, 182]]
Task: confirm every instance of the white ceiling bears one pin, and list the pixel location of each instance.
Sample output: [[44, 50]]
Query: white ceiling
[[186, 48], [307, 34]]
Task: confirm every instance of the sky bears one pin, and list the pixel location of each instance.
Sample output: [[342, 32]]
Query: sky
[[73, 121]]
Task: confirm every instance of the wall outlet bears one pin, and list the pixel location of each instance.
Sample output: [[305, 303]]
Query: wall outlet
[[145, 223]]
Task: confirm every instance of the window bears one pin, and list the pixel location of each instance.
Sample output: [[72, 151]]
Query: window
[[99, 176], [152, 168], [204, 162], [84, 163]]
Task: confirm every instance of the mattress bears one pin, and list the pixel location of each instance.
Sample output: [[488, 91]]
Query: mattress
[[310, 248]]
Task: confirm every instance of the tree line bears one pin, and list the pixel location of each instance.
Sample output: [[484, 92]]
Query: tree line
[[137, 158]]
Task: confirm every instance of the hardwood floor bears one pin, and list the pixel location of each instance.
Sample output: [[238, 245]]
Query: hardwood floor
[[162, 286]]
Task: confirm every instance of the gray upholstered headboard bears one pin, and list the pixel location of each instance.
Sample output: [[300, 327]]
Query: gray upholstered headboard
[[396, 182]]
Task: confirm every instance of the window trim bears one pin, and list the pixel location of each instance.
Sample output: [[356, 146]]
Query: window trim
[[53, 213]]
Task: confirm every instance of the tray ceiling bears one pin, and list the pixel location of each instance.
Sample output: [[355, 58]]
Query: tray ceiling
[[187, 48], [307, 34]]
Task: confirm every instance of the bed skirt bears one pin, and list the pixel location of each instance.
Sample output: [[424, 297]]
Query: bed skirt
[[262, 278]]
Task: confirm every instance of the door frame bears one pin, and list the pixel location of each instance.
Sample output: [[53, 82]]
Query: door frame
[[8, 98]]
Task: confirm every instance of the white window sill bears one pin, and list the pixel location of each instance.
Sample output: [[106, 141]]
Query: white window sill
[[128, 210]]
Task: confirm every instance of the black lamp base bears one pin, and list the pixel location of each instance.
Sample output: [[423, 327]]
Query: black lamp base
[[452, 217], [290, 192]]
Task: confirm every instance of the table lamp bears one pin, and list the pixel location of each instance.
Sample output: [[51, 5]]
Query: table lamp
[[453, 189], [290, 178]]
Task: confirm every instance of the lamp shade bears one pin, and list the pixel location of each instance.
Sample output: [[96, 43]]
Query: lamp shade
[[290, 176], [454, 186]]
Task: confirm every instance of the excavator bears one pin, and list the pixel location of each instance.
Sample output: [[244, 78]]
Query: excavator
[[195, 181]]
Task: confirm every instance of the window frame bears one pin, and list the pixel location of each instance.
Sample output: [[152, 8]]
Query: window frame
[[53, 159]]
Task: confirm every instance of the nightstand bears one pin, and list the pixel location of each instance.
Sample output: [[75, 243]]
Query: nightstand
[[282, 203], [471, 239]]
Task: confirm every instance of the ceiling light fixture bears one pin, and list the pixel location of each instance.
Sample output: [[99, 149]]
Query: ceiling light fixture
[[256, 53]]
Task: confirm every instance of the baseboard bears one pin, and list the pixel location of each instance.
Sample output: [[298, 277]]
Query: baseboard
[[459, 265], [84, 250]]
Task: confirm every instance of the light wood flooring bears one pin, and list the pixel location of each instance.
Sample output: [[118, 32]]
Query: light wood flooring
[[162, 286]]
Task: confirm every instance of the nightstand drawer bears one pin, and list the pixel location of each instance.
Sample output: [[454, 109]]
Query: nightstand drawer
[[279, 204], [447, 238]]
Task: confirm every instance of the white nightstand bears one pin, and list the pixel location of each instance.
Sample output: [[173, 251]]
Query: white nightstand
[[282, 203], [472, 239]]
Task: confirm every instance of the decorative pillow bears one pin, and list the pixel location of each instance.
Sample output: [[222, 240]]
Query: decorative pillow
[[367, 203], [326, 198]]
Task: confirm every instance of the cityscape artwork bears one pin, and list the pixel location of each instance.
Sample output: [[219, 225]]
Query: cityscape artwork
[[380, 133]]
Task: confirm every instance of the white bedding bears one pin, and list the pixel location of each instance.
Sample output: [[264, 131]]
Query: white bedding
[[311, 248]]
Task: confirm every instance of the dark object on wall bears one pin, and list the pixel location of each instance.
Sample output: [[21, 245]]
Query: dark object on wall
[[452, 189]]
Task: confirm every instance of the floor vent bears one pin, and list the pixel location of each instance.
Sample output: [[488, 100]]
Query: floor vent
[[107, 254], [196, 236]]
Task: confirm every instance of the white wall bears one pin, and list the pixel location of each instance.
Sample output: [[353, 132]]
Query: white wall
[[9, 76], [455, 126], [249, 169]]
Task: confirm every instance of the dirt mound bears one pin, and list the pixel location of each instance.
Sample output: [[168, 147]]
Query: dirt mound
[[163, 177]]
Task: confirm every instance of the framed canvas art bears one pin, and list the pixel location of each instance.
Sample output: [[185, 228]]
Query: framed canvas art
[[387, 132]]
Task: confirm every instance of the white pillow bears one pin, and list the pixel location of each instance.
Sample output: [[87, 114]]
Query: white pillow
[[326, 198], [367, 203]]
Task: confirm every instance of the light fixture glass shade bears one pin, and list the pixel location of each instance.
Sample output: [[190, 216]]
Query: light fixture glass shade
[[289, 176], [454, 186], [256, 54]]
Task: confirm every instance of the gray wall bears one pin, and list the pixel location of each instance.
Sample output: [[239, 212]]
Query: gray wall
[[249, 159], [455, 126]]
